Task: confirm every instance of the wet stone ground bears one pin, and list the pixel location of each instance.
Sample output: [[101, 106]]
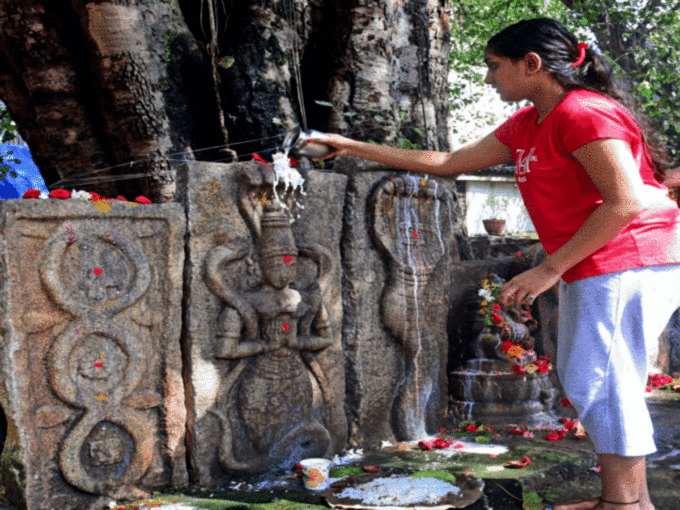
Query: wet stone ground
[[560, 471]]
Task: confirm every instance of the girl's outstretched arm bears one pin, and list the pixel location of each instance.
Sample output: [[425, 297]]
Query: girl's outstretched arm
[[483, 153]]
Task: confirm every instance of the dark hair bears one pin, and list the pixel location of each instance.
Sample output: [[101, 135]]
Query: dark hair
[[558, 49]]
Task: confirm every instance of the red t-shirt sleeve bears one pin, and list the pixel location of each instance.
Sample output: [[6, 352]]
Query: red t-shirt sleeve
[[505, 132], [593, 118]]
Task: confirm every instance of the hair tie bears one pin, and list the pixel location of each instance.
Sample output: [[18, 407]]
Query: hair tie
[[582, 47]]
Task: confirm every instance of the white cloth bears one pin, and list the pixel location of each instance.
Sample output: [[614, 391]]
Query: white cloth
[[608, 325]]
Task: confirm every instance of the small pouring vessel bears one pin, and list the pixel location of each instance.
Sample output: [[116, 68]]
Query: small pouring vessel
[[296, 142]]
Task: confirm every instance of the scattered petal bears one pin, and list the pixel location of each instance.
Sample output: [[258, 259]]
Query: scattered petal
[[98, 271], [142, 200], [60, 194]]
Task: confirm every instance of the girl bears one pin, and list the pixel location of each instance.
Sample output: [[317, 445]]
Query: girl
[[589, 173]]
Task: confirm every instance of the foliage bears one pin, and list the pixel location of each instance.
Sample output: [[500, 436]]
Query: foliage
[[498, 205], [8, 129], [474, 112], [5, 159], [640, 37]]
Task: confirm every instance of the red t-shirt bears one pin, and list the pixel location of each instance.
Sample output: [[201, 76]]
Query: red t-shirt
[[559, 195]]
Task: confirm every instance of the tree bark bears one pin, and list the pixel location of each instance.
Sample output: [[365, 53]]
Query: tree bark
[[110, 94]]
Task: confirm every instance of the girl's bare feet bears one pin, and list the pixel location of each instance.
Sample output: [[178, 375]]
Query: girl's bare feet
[[599, 504]]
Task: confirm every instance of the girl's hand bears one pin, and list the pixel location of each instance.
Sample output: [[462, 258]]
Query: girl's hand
[[339, 144], [527, 286]]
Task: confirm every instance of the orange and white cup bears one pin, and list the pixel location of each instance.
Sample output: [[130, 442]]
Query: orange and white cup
[[315, 473]]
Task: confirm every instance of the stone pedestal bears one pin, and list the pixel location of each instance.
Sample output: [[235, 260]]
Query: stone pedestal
[[91, 366], [265, 366]]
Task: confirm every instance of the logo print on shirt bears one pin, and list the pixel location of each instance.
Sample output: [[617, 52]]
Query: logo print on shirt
[[523, 163]]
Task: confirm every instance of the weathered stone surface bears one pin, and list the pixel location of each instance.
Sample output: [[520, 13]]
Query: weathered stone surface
[[262, 327], [398, 249], [91, 366]]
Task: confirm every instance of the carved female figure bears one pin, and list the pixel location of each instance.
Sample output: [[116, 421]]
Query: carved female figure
[[272, 331]]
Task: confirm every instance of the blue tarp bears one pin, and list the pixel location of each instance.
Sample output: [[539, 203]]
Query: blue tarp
[[29, 176]]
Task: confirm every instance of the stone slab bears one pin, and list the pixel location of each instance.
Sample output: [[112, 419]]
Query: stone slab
[[376, 357], [90, 359], [229, 437]]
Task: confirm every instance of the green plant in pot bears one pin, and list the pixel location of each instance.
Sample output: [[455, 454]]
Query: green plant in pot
[[498, 206]]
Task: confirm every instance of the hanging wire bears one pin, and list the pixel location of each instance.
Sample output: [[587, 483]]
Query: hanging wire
[[94, 176]]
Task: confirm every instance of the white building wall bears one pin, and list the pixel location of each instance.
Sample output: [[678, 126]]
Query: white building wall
[[478, 190]]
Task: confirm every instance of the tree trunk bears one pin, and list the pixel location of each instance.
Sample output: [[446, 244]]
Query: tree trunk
[[110, 94]]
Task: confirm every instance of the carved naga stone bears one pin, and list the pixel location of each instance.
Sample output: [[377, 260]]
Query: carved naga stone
[[271, 331], [413, 227]]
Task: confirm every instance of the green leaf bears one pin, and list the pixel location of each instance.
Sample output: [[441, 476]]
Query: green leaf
[[14, 174]]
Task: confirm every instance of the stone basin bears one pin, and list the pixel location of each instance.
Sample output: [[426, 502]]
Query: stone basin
[[487, 392]]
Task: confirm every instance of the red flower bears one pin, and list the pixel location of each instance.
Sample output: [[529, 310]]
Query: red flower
[[95, 196], [98, 271], [286, 326], [61, 194], [566, 403], [659, 380], [518, 369], [496, 308], [542, 368], [442, 429], [31, 193], [442, 443], [648, 389], [426, 445], [292, 162], [415, 234], [99, 364], [544, 358], [496, 318], [258, 158], [142, 200], [518, 254], [553, 436], [517, 431], [568, 424], [471, 428], [121, 198], [287, 258], [677, 389], [506, 345]]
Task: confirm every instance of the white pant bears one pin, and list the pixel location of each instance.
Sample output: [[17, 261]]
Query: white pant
[[608, 325]]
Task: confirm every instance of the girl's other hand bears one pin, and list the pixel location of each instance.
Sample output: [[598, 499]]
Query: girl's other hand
[[527, 286]]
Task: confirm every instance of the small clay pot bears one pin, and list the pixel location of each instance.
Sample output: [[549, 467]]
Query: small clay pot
[[494, 227]]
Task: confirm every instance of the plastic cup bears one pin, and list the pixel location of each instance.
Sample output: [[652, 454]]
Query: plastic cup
[[315, 473]]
